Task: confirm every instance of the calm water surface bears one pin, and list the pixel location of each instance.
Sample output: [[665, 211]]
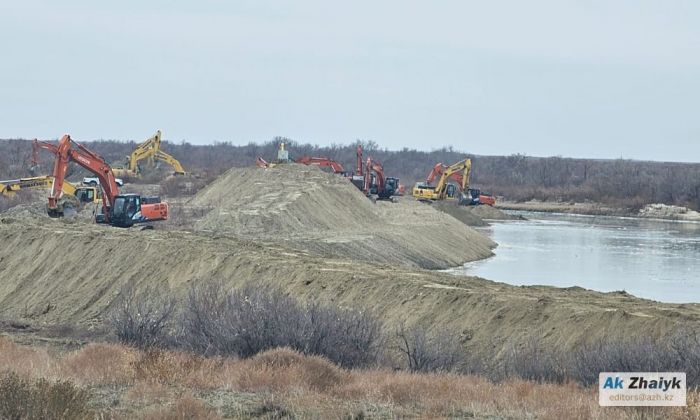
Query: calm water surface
[[652, 259]]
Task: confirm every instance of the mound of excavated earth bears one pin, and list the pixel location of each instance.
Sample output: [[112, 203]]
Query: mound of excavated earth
[[70, 271], [304, 208]]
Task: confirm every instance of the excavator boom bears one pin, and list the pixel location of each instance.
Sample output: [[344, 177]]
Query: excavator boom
[[12, 186], [122, 210], [88, 160], [459, 172], [336, 167], [150, 149], [375, 181]]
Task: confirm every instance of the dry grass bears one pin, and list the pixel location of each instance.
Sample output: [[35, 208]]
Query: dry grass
[[279, 383], [186, 407]]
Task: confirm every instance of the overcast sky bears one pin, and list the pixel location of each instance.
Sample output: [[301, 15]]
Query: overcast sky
[[603, 79]]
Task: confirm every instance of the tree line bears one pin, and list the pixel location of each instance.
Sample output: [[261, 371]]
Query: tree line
[[516, 177]]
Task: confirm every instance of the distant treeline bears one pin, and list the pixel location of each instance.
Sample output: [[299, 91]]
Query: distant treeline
[[516, 177]]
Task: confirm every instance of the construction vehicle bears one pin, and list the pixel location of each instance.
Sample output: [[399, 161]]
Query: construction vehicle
[[150, 150], [375, 183], [322, 162], [460, 174], [444, 190], [358, 178], [282, 157], [84, 195], [121, 210], [261, 163]]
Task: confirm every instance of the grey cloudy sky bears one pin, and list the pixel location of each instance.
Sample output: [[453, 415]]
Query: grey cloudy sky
[[574, 78]]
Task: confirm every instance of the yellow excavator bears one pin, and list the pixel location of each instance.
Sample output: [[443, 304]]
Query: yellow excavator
[[443, 190], [149, 149], [84, 195]]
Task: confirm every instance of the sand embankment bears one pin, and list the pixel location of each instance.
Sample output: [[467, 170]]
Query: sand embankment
[[303, 208]]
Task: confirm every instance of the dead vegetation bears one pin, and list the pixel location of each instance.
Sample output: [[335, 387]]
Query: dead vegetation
[[123, 382]]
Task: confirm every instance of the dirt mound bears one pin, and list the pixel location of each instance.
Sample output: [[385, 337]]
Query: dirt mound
[[473, 215], [663, 211], [491, 213], [461, 213], [307, 209], [58, 271]]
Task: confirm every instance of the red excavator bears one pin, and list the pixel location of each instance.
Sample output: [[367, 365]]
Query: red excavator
[[375, 183], [121, 210], [323, 162]]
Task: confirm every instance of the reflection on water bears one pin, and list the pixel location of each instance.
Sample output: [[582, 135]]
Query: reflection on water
[[653, 259]]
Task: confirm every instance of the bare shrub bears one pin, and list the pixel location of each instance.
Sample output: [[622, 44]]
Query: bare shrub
[[347, 337], [40, 399], [533, 362], [678, 352], [141, 318], [253, 319], [424, 352]]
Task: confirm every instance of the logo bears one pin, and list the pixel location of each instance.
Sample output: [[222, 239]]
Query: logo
[[642, 389]]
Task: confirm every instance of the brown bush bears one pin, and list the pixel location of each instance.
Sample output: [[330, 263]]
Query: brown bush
[[282, 369], [186, 407], [41, 399], [100, 364]]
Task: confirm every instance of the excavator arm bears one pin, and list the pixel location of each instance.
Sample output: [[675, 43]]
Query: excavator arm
[[164, 157], [323, 162], [150, 149], [145, 150], [358, 163], [460, 172], [65, 153]]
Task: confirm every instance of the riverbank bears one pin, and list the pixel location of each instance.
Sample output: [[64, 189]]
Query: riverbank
[[651, 211]]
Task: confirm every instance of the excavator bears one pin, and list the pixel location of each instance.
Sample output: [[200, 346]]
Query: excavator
[[149, 149], [444, 190], [83, 195], [358, 178], [121, 210], [375, 183], [282, 157], [460, 173], [323, 162]]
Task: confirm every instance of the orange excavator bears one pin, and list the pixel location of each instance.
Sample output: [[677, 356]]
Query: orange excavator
[[375, 183], [323, 162], [121, 210]]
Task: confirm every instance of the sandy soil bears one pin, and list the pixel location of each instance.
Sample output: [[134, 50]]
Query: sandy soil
[[662, 211], [651, 211], [473, 215], [62, 271], [317, 237], [565, 207], [303, 208]]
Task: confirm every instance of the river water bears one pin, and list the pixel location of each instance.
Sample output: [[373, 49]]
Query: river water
[[653, 259]]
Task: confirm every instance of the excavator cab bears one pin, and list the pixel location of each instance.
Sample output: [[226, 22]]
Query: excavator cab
[[126, 210], [451, 191], [86, 195], [392, 185]]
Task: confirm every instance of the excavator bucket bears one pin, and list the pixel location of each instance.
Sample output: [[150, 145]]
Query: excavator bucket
[[67, 206]]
